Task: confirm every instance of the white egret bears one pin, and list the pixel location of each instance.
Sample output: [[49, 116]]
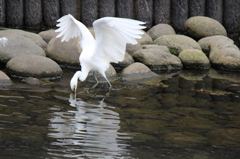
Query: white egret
[[111, 36]]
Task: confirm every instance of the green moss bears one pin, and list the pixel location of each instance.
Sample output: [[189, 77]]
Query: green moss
[[173, 51]]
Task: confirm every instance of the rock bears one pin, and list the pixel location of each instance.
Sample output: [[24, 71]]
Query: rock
[[128, 60], [16, 45], [137, 71], [194, 59], [130, 48], [110, 73], [37, 39], [206, 42], [157, 59], [199, 27], [193, 75], [146, 39], [225, 55], [64, 53], [152, 46], [160, 30], [177, 43], [5, 81], [33, 66], [48, 35]]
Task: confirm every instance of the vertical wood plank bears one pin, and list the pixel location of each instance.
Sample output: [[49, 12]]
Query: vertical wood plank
[[214, 9], [15, 13], [51, 12], [89, 11], [179, 14], [69, 7], [162, 11], [231, 15], [144, 11], [124, 8], [33, 14], [2, 13], [196, 8], [106, 8]]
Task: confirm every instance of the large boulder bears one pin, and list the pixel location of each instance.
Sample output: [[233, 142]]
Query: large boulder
[[177, 43], [128, 60], [225, 55], [199, 27], [33, 66], [160, 30], [5, 81], [48, 35], [157, 59], [146, 39], [206, 42], [17, 45], [194, 59], [37, 39], [130, 48], [64, 53], [137, 71]]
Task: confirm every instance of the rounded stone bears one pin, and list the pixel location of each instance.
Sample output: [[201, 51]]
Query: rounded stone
[[146, 39], [37, 39], [33, 66], [128, 60], [130, 48], [4, 80], [160, 30], [157, 59], [177, 43], [17, 45], [199, 27], [64, 53], [194, 59], [137, 71], [48, 35]]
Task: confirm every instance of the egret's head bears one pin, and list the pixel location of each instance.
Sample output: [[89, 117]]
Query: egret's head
[[74, 81]]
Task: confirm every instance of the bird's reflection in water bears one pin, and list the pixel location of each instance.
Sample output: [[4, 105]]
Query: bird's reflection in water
[[90, 131]]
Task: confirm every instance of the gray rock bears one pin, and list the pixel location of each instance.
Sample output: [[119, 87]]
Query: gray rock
[[37, 39], [194, 59], [159, 47], [64, 53], [160, 30], [33, 66], [146, 39], [128, 60], [177, 43], [225, 55], [137, 71], [130, 48], [5, 81], [110, 73], [17, 45], [199, 27], [206, 42], [48, 35], [157, 59]]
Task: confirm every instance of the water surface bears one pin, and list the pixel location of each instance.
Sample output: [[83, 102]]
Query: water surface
[[189, 115]]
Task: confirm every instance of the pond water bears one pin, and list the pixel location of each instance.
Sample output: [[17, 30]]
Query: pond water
[[191, 115]]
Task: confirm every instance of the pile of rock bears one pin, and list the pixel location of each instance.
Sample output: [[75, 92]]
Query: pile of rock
[[26, 54]]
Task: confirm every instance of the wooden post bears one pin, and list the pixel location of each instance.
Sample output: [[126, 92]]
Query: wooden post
[[144, 11], [107, 8], [197, 8], [124, 8], [15, 13], [69, 7], [51, 12], [214, 9], [179, 14], [2, 13], [89, 11], [33, 14], [162, 11], [231, 16]]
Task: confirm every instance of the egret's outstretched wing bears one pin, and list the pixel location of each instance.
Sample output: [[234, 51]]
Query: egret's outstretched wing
[[69, 28], [112, 35]]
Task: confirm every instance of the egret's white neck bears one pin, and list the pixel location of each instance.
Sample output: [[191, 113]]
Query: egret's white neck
[[80, 75]]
